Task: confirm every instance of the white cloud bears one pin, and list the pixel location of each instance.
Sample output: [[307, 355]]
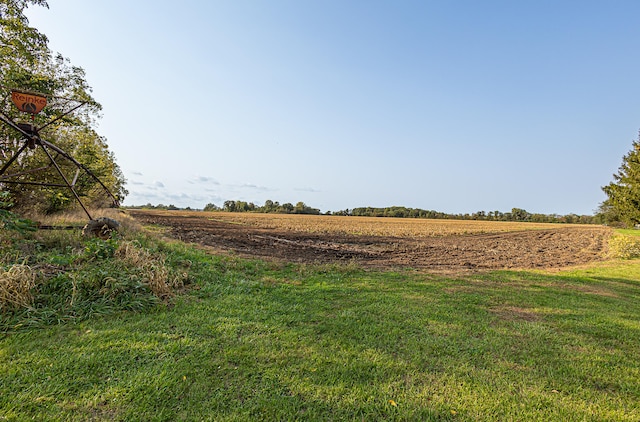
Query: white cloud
[[257, 188], [204, 179], [312, 190]]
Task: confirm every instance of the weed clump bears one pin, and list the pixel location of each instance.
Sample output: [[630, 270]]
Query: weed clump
[[151, 268], [16, 283], [624, 247]]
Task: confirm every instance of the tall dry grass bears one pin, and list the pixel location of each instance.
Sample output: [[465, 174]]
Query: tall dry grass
[[154, 270], [78, 218], [16, 283]]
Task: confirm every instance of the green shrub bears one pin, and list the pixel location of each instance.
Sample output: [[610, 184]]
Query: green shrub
[[96, 248], [10, 221]]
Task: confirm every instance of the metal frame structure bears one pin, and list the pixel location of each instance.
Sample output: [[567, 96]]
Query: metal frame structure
[[32, 139]]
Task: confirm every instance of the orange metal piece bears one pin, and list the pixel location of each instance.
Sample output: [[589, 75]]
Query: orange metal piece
[[29, 103]]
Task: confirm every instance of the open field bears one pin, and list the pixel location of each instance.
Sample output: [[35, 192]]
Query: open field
[[434, 245], [244, 339], [360, 226], [260, 340]]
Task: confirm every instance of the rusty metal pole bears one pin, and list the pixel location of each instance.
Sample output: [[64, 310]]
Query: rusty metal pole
[[8, 163], [66, 181]]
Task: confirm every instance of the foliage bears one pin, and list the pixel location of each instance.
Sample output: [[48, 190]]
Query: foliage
[[608, 215], [624, 246], [9, 220], [516, 214], [623, 194], [269, 207], [150, 206], [28, 64], [96, 248]]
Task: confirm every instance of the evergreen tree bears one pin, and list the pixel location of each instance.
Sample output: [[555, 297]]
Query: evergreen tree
[[624, 192]]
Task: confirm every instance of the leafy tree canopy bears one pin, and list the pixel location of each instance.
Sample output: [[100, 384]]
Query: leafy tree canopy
[[28, 64]]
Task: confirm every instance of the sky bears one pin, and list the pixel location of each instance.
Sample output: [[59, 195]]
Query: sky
[[450, 105]]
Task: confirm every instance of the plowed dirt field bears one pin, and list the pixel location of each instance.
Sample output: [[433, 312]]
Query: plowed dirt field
[[432, 245]]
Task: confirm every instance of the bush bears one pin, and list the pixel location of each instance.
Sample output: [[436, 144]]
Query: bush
[[625, 247], [9, 220]]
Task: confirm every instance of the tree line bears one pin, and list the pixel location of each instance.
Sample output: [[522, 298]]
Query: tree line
[[516, 214], [268, 207]]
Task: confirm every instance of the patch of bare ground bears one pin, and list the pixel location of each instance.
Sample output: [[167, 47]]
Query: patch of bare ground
[[520, 247]]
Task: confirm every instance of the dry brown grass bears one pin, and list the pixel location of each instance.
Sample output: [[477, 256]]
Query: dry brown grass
[[154, 270], [79, 218], [15, 286], [368, 226]]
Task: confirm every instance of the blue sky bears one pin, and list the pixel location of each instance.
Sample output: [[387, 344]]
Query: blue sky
[[456, 106]]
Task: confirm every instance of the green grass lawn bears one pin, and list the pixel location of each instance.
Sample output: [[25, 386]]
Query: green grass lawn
[[250, 340]]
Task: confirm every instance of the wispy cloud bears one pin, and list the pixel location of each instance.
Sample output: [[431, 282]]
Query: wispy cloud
[[203, 179], [142, 186], [313, 190], [253, 187]]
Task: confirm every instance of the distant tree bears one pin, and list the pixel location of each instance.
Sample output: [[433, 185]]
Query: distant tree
[[211, 207], [623, 194], [607, 214], [269, 206], [242, 206], [343, 212], [302, 208], [518, 214], [480, 215], [286, 208]]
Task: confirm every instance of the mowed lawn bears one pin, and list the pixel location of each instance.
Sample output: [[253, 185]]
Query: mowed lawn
[[251, 340]]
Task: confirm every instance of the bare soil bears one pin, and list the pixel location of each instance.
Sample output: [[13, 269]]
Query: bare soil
[[559, 247]]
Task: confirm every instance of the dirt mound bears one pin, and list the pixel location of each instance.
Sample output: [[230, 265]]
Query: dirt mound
[[546, 248]]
